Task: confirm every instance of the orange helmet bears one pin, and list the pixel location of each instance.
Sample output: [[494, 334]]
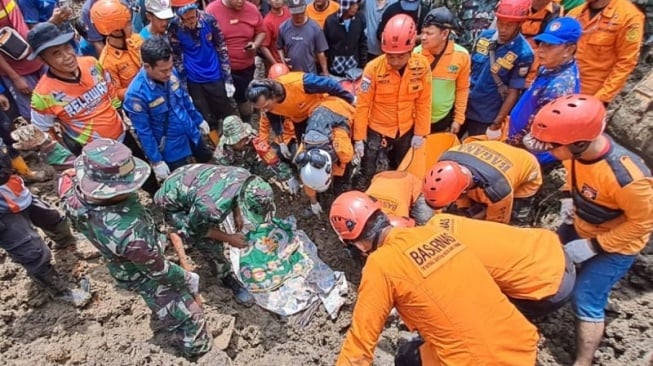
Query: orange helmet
[[277, 70], [513, 11], [399, 34], [180, 3], [444, 183], [350, 212], [569, 119], [109, 16], [401, 221]]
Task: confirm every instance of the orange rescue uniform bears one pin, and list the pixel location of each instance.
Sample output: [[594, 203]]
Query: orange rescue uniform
[[619, 189], [502, 173], [392, 104], [421, 272], [122, 65], [608, 50], [396, 190], [298, 104], [526, 263]]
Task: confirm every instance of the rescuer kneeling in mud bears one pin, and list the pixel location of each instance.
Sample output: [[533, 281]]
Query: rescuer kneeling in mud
[[418, 271], [497, 178], [611, 202]]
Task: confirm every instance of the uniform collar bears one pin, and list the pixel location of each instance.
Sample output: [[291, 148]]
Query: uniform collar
[[151, 84], [560, 68], [129, 42]]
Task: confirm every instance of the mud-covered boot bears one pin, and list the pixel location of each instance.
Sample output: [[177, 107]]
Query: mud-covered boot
[[241, 295], [60, 289], [61, 235]]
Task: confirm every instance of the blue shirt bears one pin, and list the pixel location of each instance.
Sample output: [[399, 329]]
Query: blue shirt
[[149, 104], [513, 61], [547, 86], [145, 33], [84, 48], [200, 53]]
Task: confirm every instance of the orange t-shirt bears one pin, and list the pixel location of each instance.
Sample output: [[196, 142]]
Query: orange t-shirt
[[320, 16], [85, 109]]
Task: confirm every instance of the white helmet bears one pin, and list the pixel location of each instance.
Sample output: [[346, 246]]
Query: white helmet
[[316, 173]]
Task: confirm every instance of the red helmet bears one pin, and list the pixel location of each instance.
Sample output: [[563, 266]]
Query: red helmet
[[569, 119], [513, 11], [277, 70], [110, 15], [399, 34], [350, 212], [444, 183], [401, 221]]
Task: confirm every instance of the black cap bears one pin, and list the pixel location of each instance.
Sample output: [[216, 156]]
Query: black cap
[[45, 35], [440, 17]]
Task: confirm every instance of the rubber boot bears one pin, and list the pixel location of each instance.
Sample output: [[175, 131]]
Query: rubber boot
[[19, 165], [215, 137], [60, 289], [241, 295], [61, 235]]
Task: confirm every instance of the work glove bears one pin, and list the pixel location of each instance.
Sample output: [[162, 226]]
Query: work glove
[[493, 134], [28, 137], [416, 142], [580, 250], [316, 208], [359, 149], [205, 129], [230, 89], [567, 210], [285, 152], [293, 185], [161, 170], [192, 280]]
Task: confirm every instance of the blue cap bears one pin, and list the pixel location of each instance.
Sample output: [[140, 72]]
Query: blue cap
[[560, 31]]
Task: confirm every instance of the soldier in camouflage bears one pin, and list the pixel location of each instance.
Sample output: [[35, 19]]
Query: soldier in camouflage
[[198, 198], [241, 147], [99, 196]]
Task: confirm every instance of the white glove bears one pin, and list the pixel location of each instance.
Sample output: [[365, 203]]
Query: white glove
[[205, 129], [230, 89], [293, 185], [580, 250], [161, 170], [493, 134], [567, 210], [283, 149], [359, 149], [193, 282], [316, 208], [416, 142]]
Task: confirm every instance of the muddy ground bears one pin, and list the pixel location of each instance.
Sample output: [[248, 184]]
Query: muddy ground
[[117, 329]]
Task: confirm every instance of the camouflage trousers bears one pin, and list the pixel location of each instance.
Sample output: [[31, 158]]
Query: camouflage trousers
[[181, 315], [214, 253]]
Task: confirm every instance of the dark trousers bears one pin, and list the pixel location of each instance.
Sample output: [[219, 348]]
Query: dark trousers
[[444, 125], [473, 128], [395, 148], [242, 78], [212, 102], [44, 216], [300, 129], [6, 126], [23, 244], [200, 152]]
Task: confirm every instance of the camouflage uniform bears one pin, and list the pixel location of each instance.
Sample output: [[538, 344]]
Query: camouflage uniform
[[125, 234], [197, 197], [248, 158]]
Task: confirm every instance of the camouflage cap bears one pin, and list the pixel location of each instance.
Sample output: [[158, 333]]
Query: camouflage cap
[[256, 200], [106, 168], [234, 130]]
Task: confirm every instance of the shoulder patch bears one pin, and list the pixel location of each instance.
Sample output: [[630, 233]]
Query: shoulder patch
[[633, 34], [365, 84]]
